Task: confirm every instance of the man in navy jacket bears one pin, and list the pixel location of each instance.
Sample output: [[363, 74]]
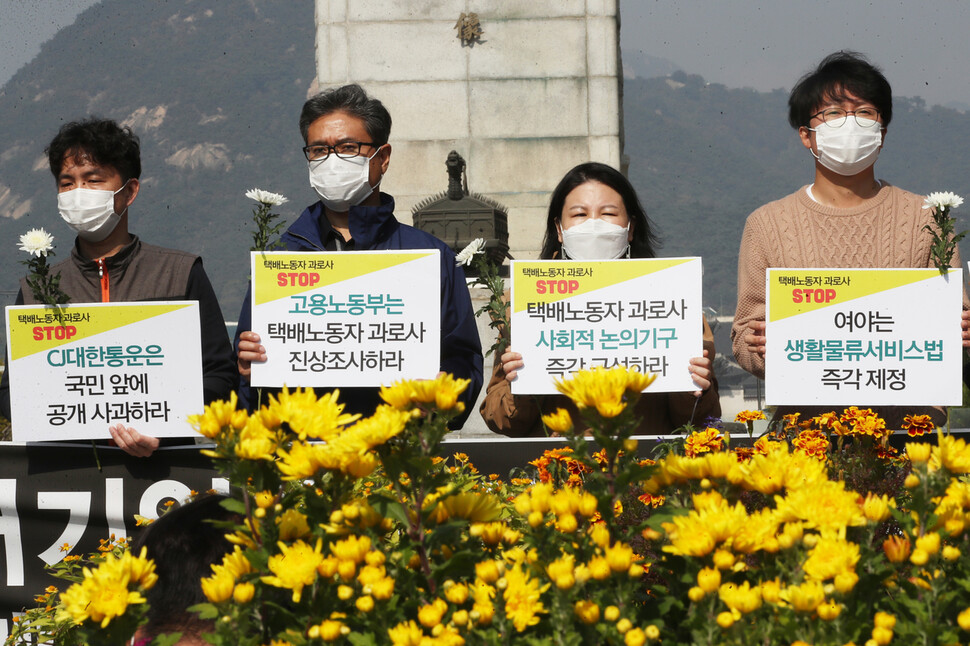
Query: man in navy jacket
[[346, 135]]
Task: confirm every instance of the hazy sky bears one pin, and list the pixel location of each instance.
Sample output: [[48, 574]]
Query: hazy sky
[[764, 44]]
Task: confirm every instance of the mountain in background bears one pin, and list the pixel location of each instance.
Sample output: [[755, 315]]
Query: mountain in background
[[214, 90], [637, 64]]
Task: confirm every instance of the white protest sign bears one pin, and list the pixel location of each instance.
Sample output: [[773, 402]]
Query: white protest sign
[[863, 337], [643, 314], [349, 318], [138, 364]]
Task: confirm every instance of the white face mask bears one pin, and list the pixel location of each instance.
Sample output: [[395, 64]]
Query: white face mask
[[90, 212], [595, 239], [342, 183], [849, 149]]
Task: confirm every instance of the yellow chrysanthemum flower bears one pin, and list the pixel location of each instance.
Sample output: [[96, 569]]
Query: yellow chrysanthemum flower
[[300, 462], [561, 571], [952, 454], [429, 615], [805, 597], [558, 422], [294, 567], [827, 505], [292, 524], [831, 557], [218, 415], [405, 634], [741, 598], [352, 548], [442, 391], [472, 506], [256, 442], [106, 591], [588, 612], [483, 608], [308, 416], [522, 596], [606, 390]]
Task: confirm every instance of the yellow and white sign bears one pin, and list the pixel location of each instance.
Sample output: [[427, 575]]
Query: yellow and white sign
[[349, 318], [863, 337], [100, 364], [644, 314]]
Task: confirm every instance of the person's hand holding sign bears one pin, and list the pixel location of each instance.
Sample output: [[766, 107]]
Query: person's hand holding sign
[[249, 350], [756, 340]]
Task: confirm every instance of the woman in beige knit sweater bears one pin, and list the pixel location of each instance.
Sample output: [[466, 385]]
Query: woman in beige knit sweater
[[846, 218]]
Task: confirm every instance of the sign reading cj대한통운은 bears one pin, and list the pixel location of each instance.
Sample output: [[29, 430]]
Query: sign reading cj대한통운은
[[644, 314], [863, 337], [78, 369], [333, 319]]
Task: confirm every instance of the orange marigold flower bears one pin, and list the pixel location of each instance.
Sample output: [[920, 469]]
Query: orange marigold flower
[[812, 442], [916, 425], [886, 452], [791, 421], [704, 441], [744, 453], [746, 416], [825, 420]]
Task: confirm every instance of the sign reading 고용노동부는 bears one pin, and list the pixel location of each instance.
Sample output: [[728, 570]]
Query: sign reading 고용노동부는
[[349, 318], [78, 369], [644, 314], [863, 337]]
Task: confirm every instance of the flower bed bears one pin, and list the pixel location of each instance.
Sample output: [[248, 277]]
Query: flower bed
[[356, 531]]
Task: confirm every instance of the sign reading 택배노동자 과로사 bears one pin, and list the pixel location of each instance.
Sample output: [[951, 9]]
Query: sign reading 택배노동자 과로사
[[644, 314], [863, 337], [138, 364], [346, 318]]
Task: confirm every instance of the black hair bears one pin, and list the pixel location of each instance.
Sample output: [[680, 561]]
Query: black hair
[[644, 241], [102, 141], [184, 543], [836, 76], [353, 100]]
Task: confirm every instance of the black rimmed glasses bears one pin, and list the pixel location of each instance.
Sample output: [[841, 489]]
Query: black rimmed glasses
[[866, 117], [343, 150]]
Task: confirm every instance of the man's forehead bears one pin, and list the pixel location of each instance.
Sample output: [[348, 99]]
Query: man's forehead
[[838, 95], [83, 161], [340, 125]]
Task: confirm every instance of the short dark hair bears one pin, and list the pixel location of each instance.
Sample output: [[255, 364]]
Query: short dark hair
[[644, 241], [184, 543], [353, 100], [102, 141], [836, 76]]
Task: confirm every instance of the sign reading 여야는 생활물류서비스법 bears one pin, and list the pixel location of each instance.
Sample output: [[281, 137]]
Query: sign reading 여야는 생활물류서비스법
[[347, 318], [78, 369], [643, 314], [863, 337]]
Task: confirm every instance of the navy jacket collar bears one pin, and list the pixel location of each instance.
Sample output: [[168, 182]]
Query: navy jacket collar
[[369, 225]]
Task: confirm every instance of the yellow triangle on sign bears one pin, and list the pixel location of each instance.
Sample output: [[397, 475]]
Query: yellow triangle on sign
[[548, 281], [79, 322], [279, 275], [796, 291]]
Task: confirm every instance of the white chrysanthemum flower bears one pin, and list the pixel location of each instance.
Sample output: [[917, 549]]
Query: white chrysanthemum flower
[[942, 200], [36, 242], [466, 255], [265, 197]]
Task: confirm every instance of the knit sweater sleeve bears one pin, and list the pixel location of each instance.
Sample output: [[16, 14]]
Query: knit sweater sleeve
[[753, 260]]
